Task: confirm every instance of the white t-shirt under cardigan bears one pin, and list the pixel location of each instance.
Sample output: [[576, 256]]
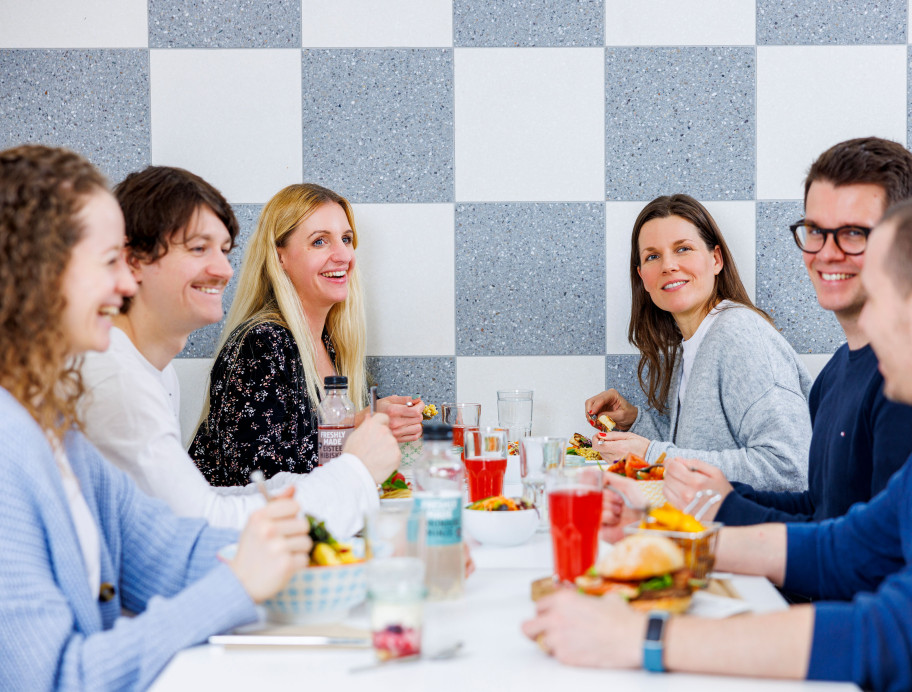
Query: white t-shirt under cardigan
[[745, 409]]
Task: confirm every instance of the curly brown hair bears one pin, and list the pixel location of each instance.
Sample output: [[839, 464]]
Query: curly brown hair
[[42, 191]]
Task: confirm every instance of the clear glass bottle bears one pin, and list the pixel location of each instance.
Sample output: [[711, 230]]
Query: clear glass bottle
[[438, 494], [336, 415]]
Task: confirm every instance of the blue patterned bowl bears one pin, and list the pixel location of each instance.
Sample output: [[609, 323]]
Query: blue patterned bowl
[[316, 594]]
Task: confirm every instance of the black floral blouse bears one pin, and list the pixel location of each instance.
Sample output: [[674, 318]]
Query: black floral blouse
[[260, 416]]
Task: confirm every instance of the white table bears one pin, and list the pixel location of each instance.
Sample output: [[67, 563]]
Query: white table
[[496, 655]]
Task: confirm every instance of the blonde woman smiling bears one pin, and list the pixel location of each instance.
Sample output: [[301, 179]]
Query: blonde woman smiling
[[297, 317], [722, 384]]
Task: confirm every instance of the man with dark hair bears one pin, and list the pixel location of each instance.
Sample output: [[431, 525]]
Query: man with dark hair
[[859, 437], [865, 555], [179, 232]]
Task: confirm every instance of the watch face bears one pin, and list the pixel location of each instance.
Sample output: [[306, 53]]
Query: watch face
[[654, 629]]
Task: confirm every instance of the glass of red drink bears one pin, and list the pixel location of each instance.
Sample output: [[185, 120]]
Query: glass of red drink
[[461, 417], [485, 461], [575, 508]]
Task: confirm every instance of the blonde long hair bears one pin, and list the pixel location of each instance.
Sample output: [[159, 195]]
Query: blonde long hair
[[266, 294]]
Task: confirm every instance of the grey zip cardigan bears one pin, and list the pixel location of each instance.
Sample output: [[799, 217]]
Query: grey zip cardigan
[[745, 409]]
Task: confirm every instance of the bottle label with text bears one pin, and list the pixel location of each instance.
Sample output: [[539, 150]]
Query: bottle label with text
[[330, 440], [444, 518]]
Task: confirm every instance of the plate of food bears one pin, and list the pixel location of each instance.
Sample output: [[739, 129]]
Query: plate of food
[[579, 451], [395, 490]]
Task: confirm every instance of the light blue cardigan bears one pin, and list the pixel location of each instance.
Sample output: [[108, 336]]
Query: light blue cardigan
[[54, 633]]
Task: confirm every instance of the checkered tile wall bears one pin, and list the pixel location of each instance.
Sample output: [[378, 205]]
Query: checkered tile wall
[[496, 152]]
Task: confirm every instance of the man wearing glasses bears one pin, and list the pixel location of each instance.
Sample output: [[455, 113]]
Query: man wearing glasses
[[859, 437], [865, 555]]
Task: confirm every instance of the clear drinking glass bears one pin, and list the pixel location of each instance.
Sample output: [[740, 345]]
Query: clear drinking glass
[[395, 580], [536, 456], [460, 417], [575, 509], [485, 462]]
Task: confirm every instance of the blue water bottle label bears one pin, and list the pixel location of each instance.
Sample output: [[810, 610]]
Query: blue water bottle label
[[444, 519]]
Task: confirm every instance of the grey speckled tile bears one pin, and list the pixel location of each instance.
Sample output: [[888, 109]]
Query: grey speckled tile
[[201, 343], [530, 279], [434, 378], [93, 101], [378, 124], [820, 22], [529, 23], [680, 120], [621, 374], [224, 24], [783, 287]]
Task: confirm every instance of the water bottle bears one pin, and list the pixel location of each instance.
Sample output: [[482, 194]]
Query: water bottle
[[336, 415], [438, 495]]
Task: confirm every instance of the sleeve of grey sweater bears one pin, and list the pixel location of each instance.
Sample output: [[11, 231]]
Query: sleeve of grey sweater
[[745, 409]]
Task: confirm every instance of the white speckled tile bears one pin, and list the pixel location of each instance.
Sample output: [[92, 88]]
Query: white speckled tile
[[816, 22], [372, 24], [680, 23], [405, 252], [224, 24], [68, 24], [530, 279], [679, 120], [529, 124], [379, 123], [530, 23], [434, 378], [201, 343], [231, 116], [561, 385], [784, 289], [811, 97], [93, 101]]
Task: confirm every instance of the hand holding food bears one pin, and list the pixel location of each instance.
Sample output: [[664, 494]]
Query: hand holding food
[[373, 443], [428, 412], [273, 546], [611, 404], [684, 478], [405, 416], [614, 445]]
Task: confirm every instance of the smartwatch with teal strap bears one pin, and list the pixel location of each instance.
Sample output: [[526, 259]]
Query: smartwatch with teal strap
[[653, 645]]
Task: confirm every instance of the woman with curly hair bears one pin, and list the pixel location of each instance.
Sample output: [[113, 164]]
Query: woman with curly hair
[[722, 384], [297, 317], [80, 543]]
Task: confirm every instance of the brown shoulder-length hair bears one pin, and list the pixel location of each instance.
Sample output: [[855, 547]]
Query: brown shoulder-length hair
[[652, 330], [42, 191]]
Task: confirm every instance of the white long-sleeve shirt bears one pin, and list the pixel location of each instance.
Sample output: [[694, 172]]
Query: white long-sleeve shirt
[[131, 413]]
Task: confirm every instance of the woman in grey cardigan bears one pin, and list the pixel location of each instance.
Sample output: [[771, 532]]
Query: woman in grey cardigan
[[722, 384]]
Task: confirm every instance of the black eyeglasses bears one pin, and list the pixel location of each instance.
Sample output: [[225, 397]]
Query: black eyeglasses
[[852, 240]]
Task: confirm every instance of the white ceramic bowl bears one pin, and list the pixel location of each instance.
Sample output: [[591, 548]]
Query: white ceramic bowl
[[500, 528], [316, 594]]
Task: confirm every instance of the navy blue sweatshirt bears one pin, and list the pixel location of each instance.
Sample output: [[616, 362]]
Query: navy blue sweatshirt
[[867, 556], [859, 441]]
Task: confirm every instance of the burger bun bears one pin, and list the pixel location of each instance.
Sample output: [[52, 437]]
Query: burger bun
[[641, 556]]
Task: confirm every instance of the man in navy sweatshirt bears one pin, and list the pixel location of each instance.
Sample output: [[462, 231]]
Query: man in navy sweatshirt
[[859, 437], [865, 555]]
